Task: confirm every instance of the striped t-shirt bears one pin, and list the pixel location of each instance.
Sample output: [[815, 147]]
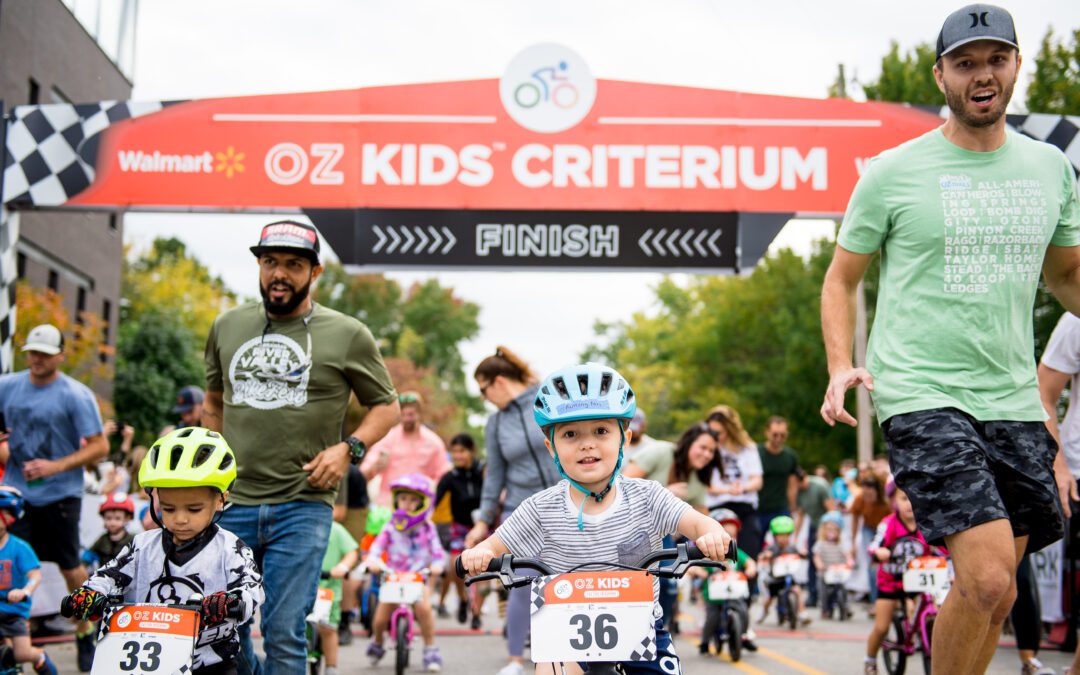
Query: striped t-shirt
[[544, 526]]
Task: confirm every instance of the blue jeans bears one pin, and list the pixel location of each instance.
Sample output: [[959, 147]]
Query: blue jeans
[[289, 541]]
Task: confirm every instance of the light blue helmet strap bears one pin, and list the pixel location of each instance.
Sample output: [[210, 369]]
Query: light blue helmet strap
[[598, 496]]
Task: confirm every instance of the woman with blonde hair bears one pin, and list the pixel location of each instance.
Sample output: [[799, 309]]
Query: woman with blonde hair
[[736, 484]]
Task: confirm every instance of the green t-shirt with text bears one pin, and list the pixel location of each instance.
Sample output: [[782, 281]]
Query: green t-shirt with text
[[963, 235], [286, 389]]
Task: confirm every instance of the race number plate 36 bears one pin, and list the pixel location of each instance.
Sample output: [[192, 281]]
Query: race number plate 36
[[324, 604], [402, 588], [593, 616], [926, 574], [728, 586], [147, 640]]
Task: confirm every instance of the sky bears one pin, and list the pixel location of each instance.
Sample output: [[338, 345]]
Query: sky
[[205, 48]]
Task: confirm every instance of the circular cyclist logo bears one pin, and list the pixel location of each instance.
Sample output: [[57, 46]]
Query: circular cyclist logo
[[124, 620], [563, 589], [547, 88]]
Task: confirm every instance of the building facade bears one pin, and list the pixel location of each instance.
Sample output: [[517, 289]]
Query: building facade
[[70, 51]]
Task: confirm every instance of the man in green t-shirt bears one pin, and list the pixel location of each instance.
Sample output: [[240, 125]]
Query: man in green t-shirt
[[778, 465], [966, 217], [279, 374]]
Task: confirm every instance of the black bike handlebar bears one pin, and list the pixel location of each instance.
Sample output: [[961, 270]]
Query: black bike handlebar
[[686, 555]]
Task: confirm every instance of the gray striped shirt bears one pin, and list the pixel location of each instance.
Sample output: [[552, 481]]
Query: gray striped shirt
[[544, 526]]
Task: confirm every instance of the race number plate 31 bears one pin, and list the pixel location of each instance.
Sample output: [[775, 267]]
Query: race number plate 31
[[147, 640], [593, 616], [926, 574]]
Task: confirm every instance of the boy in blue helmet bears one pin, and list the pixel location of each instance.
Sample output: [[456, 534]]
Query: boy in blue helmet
[[594, 513], [20, 575]]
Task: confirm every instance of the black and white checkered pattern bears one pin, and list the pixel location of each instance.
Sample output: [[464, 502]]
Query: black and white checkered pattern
[[647, 651], [1062, 131], [536, 593], [9, 234], [52, 149]]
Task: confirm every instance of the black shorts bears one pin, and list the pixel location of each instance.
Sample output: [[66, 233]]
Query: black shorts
[[891, 595], [959, 472], [52, 531], [13, 626]]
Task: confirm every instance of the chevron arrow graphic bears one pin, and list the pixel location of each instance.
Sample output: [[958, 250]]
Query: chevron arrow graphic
[[436, 239], [644, 242], [423, 240], [697, 243], [396, 240], [451, 240], [381, 236], [409, 239], [682, 242], [712, 241], [658, 241], [671, 243]]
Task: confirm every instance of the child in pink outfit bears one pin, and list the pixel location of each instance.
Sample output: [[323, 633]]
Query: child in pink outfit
[[411, 544]]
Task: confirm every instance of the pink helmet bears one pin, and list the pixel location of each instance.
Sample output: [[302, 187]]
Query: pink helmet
[[118, 501], [417, 484]]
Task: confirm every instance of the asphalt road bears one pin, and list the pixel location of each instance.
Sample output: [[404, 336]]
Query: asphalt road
[[823, 647]]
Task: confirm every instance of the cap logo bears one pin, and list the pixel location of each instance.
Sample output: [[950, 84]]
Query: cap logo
[[978, 18], [286, 230]]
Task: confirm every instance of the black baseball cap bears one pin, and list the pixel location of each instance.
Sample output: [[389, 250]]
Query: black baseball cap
[[289, 236], [976, 22], [187, 398]]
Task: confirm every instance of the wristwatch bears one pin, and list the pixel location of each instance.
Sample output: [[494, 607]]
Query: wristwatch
[[357, 450]]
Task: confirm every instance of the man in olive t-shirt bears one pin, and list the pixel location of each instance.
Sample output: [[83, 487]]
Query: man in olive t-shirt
[[967, 217], [778, 465], [279, 375]]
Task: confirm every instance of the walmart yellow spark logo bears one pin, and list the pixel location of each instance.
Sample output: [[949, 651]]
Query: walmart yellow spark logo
[[230, 161]]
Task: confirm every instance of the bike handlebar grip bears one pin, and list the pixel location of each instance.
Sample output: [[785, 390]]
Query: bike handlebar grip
[[459, 568], [66, 610], [733, 551]]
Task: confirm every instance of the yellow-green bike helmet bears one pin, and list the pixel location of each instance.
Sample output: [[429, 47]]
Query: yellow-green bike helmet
[[189, 457]]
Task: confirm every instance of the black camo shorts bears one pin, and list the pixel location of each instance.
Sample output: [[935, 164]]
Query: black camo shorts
[[959, 472]]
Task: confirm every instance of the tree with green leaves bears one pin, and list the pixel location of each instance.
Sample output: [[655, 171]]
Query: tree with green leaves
[[907, 78], [1055, 84]]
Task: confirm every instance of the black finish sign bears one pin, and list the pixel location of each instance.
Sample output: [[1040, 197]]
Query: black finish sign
[[628, 240]]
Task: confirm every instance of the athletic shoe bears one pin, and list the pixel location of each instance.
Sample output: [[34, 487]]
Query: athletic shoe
[[84, 646], [512, 668], [432, 660], [375, 652], [870, 669], [442, 611], [475, 624], [1035, 667], [46, 666], [749, 645], [703, 648], [463, 612], [344, 633]]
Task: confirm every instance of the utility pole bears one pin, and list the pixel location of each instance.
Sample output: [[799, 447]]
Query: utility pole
[[864, 432]]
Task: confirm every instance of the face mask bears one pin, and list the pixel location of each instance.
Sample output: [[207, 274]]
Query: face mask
[[850, 474]]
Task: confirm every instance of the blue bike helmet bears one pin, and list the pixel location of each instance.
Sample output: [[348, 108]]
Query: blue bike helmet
[[589, 391], [834, 517], [11, 500]]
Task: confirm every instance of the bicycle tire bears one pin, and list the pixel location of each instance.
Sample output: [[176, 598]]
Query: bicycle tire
[[926, 648], [734, 633], [792, 610], [842, 604], [314, 650], [366, 618], [892, 651], [401, 658]]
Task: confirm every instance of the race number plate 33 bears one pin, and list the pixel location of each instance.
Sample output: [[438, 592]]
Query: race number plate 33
[[926, 574], [593, 616], [147, 640], [728, 586], [402, 588]]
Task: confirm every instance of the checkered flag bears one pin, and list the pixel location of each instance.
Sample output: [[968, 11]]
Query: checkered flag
[[9, 234], [647, 651], [536, 593], [182, 670], [52, 149], [1057, 130]]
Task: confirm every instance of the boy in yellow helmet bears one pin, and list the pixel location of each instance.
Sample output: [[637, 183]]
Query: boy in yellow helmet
[[188, 474]]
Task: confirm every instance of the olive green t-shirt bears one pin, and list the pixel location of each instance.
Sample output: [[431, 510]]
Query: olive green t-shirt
[[286, 391], [962, 235]]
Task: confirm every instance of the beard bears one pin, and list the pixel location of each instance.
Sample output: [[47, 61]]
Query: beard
[[958, 106], [290, 305]]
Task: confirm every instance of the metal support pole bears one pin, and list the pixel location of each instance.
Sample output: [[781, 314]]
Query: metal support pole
[[862, 396]]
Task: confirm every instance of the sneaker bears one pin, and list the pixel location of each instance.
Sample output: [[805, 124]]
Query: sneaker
[[749, 645], [344, 633], [442, 611], [475, 624], [512, 668], [46, 666], [375, 652], [84, 646], [804, 619], [870, 668], [1035, 667], [331, 670], [432, 659], [703, 648], [462, 613]]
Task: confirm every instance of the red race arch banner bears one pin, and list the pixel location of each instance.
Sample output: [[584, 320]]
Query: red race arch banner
[[538, 138]]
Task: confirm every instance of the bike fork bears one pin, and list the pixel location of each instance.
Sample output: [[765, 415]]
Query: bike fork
[[402, 609]]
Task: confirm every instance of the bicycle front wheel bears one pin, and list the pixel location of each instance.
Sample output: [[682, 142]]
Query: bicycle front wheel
[[401, 658], [925, 644], [735, 630], [892, 649], [792, 610]]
